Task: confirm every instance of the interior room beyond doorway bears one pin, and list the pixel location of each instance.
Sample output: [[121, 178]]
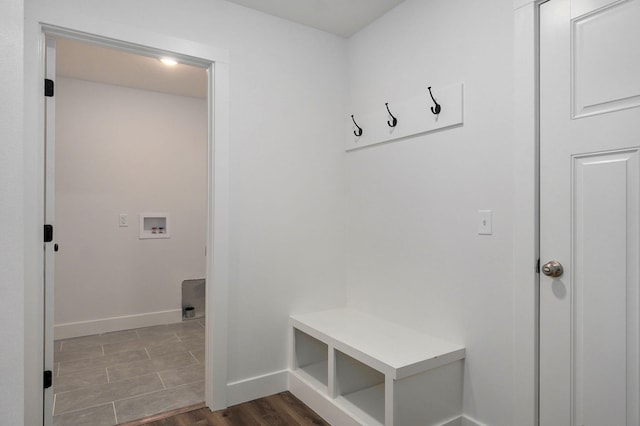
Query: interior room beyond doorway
[[129, 145]]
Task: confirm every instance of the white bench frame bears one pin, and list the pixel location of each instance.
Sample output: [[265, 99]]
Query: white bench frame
[[374, 372]]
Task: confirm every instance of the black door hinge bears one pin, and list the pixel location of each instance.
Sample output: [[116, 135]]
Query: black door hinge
[[48, 379], [538, 266], [48, 233], [48, 88]]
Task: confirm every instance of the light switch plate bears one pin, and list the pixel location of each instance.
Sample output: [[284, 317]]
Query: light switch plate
[[124, 220], [485, 222]]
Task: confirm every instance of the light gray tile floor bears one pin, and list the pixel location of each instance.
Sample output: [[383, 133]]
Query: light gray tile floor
[[116, 377]]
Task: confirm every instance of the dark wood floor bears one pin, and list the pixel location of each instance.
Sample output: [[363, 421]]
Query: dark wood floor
[[282, 409]]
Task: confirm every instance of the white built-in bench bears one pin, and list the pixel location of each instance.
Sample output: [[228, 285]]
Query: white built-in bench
[[356, 369]]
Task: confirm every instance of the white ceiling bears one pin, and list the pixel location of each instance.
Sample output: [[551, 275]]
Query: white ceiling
[[340, 17], [96, 63]]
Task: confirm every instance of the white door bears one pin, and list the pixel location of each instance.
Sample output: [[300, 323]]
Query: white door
[[590, 215], [49, 212]]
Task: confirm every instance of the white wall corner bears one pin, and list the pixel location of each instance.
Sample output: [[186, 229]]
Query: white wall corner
[[468, 421], [257, 387]]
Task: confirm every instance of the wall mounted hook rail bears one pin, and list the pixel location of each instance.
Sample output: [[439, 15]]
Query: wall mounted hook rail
[[359, 131], [436, 110], [394, 121]]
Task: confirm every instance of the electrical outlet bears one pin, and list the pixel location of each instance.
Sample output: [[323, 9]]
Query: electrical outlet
[[485, 222], [124, 220]]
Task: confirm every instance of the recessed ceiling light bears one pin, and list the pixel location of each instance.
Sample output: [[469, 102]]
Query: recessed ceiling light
[[169, 61]]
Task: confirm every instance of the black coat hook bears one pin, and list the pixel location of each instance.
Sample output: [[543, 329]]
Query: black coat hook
[[436, 110], [359, 131], [394, 121]]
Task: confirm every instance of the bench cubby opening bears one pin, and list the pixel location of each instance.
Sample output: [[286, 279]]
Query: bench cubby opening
[[359, 388], [311, 359]]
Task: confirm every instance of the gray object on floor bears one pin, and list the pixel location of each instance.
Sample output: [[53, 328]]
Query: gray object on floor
[[193, 296]]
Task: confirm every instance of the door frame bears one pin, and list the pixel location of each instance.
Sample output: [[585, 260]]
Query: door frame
[[526, 161], [217, 64]]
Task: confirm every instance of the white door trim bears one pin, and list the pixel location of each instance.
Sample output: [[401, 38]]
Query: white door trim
[[216, 61], [526, 212]]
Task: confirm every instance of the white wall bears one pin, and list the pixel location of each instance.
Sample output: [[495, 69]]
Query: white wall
[[122, 150], [414, 253], [288, 89], [11, 214]]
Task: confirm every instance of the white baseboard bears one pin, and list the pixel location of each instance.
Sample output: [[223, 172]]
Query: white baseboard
[[468, 421], [107, 325], [461, 421], [458, 421], [256, 387]]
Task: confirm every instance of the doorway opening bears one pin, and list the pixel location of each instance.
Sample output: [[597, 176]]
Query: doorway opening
[[208, 355], [131, 138]]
